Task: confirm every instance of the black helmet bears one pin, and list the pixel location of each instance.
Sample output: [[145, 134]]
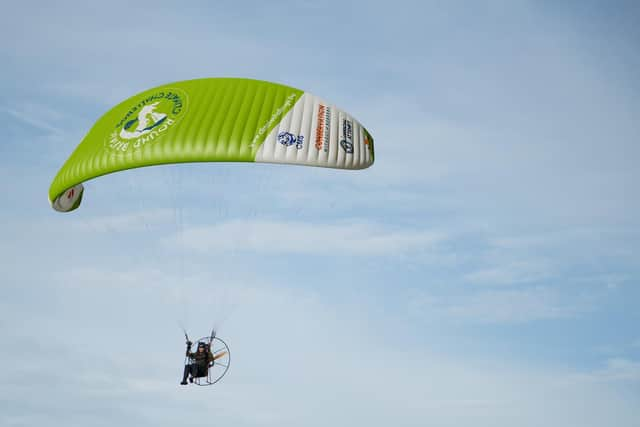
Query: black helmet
[[202, 345]]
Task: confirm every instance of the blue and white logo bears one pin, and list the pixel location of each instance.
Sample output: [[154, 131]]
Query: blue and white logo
[[147, 119], [288, 139], [347, 136]]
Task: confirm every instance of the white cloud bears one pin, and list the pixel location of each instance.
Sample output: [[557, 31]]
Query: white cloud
[[488, 134], [293, 353], [132, 221], [271, 236], [616, 370], [500, 306], [619, 369], [117, 277], [33, 116], [511, 273]]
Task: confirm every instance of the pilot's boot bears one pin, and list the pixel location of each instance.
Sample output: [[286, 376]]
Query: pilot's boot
[[184, 375]]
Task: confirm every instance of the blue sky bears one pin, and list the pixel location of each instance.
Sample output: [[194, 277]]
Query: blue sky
[[483, 272]]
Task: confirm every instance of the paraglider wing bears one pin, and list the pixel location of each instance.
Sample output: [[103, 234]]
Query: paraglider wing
[[214, 120]]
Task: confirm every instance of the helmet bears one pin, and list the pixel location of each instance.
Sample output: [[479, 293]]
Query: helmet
[[202, 345]]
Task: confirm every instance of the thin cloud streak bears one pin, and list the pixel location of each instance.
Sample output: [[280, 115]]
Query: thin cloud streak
[[32, 120], [347, 238], [134, 221], [500, 306]]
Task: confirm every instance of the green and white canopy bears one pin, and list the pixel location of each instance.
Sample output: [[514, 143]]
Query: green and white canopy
[[214, 120]]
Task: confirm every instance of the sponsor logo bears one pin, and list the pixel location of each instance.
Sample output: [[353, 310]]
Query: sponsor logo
[[368, 141], [149, 118], [347, 136], [288, 139], [272, 120], [323, 127]]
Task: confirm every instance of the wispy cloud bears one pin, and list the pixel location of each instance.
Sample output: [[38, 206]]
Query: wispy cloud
[[502, 199], [615, 370], [511, 273], [133, 221], [87, 277], [303, 343], [33, 119], [619, 369], [500, 306], [348, 237]]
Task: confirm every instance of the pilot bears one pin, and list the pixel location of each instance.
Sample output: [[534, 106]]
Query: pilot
[[201, 360]]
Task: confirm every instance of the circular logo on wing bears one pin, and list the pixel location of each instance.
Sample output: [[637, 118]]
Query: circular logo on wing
[[288, 139], [149, 118]]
